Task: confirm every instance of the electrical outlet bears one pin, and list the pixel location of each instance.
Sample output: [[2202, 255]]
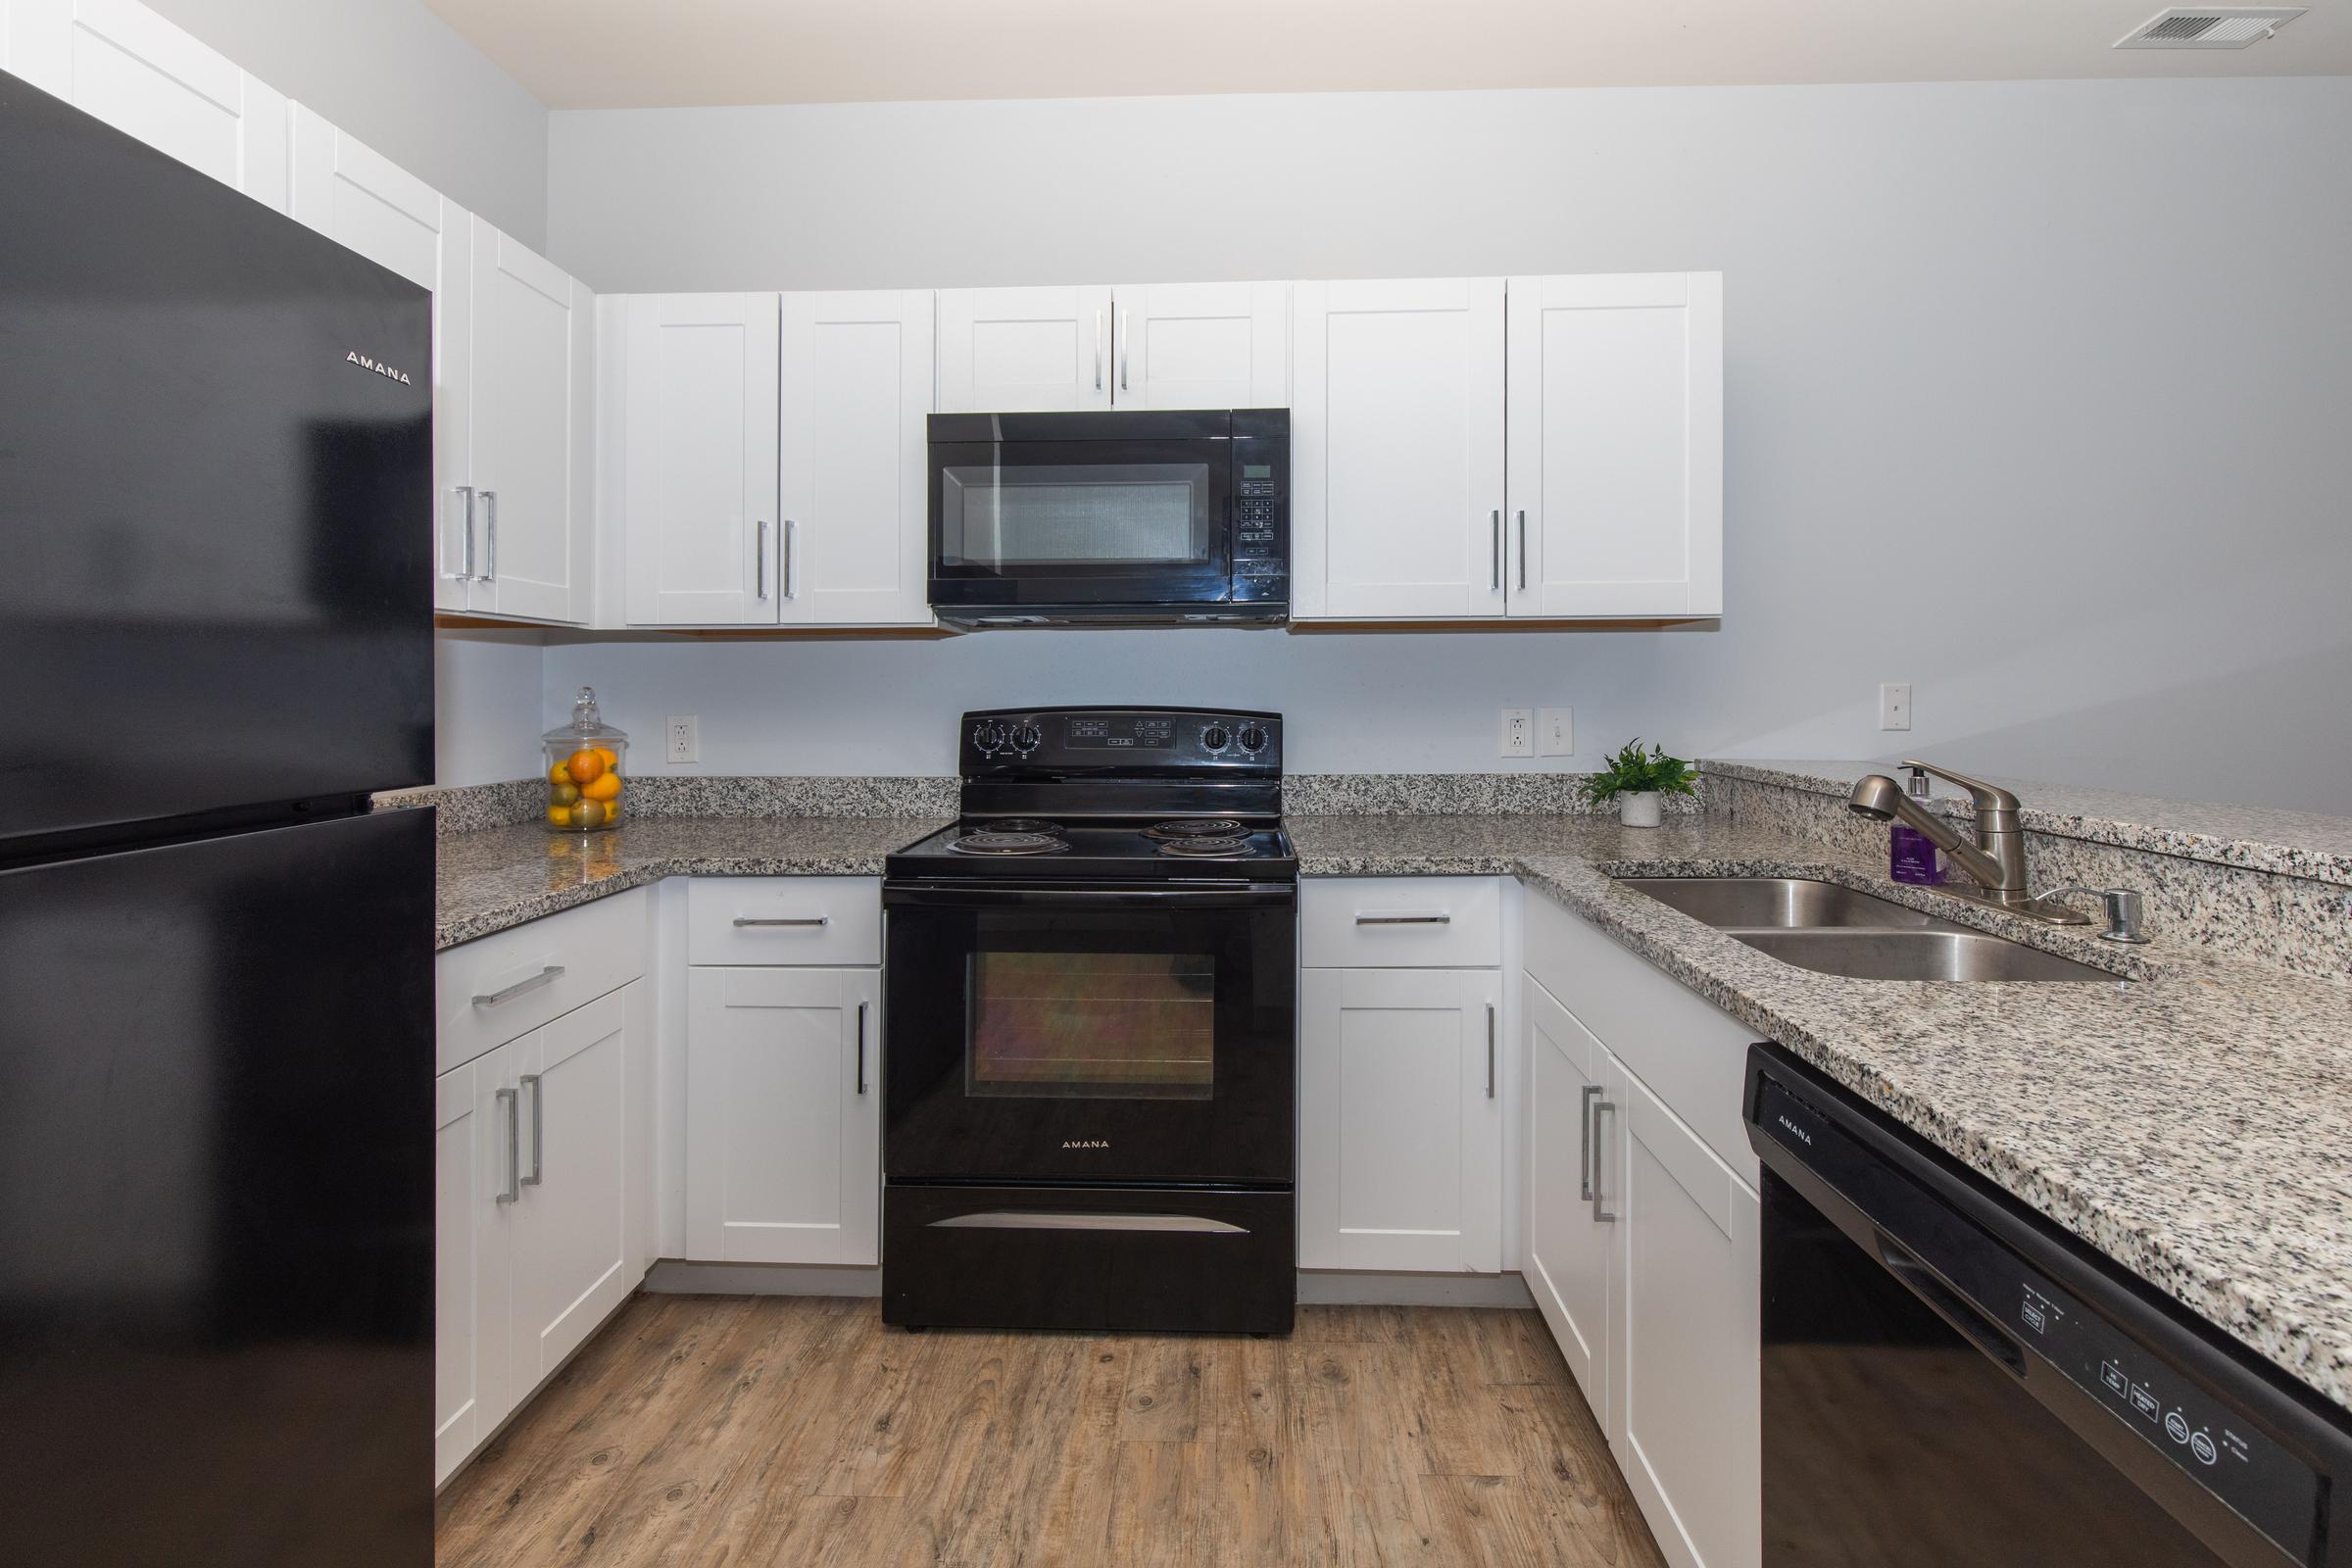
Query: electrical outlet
[[1555, 732], [1518, 732], [682, 739], [1895, 706]]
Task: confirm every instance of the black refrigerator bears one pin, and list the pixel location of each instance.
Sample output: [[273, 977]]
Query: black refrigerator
[[215, 964]]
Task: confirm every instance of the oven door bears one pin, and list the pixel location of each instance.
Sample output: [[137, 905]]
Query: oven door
[[1089, 1034], [1138, 521]]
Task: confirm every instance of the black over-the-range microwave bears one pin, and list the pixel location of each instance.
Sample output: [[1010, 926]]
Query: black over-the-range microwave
[[1132, 517]]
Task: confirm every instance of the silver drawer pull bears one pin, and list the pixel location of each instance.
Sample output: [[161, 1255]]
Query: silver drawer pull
[[1584, 1153], [538, 1088], [790, 920], [1600, 1161], [545, 977], [1404, 919], [1011, 1219]]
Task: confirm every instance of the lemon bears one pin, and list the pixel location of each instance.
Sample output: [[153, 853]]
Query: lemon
[[603, 787]]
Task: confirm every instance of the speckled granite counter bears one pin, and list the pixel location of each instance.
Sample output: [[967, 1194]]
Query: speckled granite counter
[[2195, 1124], [497, 877]]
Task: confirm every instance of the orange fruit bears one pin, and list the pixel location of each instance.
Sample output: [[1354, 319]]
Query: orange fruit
[[611, 757], [560, 773], [584, 766], [603, 787]]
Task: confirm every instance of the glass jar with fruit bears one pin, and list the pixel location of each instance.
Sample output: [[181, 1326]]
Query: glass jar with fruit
[[585, 776]]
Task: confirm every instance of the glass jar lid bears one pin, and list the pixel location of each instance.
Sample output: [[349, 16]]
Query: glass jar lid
[[586, 727]]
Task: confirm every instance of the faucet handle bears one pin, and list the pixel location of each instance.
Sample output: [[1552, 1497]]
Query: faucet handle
[[2124, 909], [1985, 795]]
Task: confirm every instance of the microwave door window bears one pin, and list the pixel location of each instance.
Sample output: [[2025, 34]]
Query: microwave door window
[[1091, 519]]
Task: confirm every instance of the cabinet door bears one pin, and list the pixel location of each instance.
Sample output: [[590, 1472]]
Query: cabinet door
[[353, 195], [701, 531], [783, 1116], [1200, 345], [119, 61], [1396, 449], [531, 330], [573, 1257], [1688, 1437], [856, 387], [473, 1236], [1616, 445], [1401, 1130], [1005, 350], [1569, 1246]]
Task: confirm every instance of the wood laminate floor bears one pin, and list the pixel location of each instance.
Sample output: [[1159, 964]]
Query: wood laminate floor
[[796, 1431]]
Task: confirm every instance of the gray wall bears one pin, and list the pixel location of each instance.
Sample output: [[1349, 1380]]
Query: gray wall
[[395, 75]]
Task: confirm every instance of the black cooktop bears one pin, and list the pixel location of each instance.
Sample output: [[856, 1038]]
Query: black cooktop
[[1255, 851]]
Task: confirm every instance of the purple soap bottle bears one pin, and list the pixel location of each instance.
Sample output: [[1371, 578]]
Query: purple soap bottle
[[1911, 856]]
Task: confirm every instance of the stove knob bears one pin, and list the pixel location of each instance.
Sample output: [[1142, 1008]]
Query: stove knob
[[1213, 738], [1028, 738], [1253, 739], [988, 738]]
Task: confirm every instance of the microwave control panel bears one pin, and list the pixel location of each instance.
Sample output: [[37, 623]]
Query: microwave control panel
[[1261, 505]]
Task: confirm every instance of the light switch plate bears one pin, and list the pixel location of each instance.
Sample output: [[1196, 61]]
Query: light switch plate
[[1895, 704], [1518, 736], [682, 738], [1555, 732]]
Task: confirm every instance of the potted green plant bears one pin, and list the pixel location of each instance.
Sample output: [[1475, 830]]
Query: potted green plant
[[1638, 781]]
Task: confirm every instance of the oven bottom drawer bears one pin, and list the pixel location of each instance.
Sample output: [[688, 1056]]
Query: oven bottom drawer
[[1089, 1257]]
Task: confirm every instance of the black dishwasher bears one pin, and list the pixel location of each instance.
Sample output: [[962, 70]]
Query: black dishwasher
[[1950, 1379]]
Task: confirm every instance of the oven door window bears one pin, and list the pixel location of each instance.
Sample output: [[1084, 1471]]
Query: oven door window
[[1092, 1025]]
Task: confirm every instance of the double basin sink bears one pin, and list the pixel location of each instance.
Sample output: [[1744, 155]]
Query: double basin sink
[[1837, 930]]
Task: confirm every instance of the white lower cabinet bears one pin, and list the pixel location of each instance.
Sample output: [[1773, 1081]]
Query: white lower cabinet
[[542, 1218], [1641, 1236], [783, 1116], [1400, 1120]]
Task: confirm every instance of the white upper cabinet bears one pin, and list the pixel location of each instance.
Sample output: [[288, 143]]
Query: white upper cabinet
[[532, 356], [697, 427], [122, 63], [1396, 450], [1616, 445], [1010, 350], [856, 386], [1200, 345], [355, 195]]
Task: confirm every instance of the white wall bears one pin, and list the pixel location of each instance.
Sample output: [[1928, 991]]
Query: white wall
[[2037, 398], [398, 78], [486, 700]]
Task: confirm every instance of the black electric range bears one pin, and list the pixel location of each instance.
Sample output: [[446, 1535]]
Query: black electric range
[[1090, 1032]]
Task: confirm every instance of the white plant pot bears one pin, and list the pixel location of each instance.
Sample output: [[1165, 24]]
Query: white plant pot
[[1638, 808]]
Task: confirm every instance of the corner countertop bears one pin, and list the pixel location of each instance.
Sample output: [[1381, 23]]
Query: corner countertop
[[2195, 1124], [493, 878]]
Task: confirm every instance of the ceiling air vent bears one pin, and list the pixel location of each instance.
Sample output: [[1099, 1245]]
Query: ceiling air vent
[[2209, 27]]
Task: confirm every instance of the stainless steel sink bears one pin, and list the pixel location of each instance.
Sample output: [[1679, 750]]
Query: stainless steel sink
[[1837, 930], [1950, 954], [1751, 902]]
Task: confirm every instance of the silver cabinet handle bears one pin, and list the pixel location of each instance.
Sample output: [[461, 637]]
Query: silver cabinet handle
[[1523, 548], [789, 919], [1489, 1050], [1098, 350], [466, 573], [507, 1099], [545, 977], [1404, 919], [1015, 1219], [1584, 1138], [861, 1048], [759, 558], [1126, 347], [1495, 553], [490, 530], [1599, 1162], [538, 1088], [790, 529]]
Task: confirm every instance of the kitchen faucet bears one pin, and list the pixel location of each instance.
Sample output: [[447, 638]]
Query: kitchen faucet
[[1995, 861]]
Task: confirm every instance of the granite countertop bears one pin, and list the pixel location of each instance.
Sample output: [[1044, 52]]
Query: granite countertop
[[2193, 1124], [493, 878]]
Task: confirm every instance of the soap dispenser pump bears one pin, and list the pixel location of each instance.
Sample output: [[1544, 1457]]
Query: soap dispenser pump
[[1911, 856]]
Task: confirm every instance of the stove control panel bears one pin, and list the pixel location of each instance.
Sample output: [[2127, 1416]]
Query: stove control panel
[[1108, 738]]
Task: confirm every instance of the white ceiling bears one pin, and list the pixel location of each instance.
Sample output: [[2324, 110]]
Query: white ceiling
[[611, 54]]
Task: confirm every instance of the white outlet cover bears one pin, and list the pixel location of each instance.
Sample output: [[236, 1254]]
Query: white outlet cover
[[1517, 735], [1895, 704], [1555, 732], [682, 738]]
